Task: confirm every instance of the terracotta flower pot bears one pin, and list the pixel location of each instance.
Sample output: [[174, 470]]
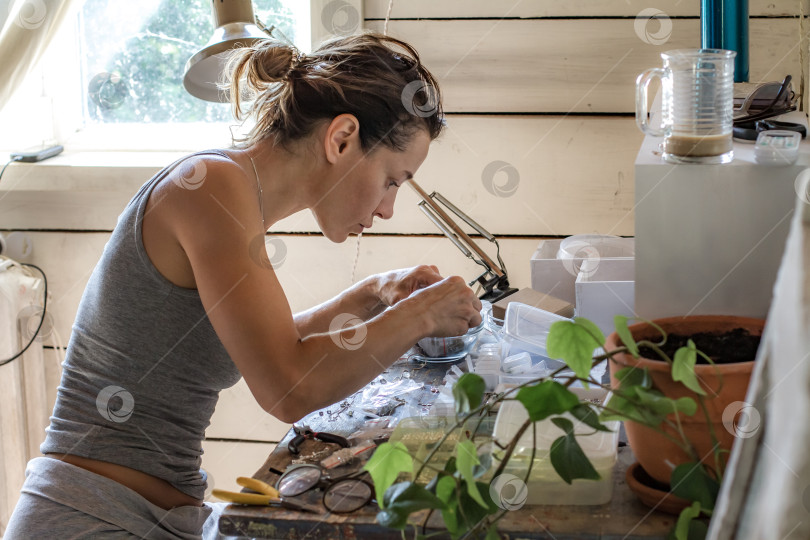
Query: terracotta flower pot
[[657, 454]]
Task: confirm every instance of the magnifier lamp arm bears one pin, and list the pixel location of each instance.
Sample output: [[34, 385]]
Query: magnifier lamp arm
[[467, 219], [447, 232], [462, 237]]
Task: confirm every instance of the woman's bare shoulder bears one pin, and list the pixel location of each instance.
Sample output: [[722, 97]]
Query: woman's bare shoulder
[[205, 199]]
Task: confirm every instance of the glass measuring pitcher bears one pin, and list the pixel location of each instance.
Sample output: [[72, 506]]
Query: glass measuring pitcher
[[697, 88]]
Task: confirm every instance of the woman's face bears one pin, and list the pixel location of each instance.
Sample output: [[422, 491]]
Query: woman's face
[[364, 186]]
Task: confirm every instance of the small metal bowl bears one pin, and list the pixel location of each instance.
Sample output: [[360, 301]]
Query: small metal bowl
[[450, 347]]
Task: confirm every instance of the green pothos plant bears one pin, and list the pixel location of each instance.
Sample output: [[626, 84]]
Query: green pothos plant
[[455, 488]]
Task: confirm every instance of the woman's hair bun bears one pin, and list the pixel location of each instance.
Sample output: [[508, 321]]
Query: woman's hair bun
[[272, 61]]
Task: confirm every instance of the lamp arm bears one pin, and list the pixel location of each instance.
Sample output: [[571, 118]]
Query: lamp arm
[[472, 223], [467, 219], [447, 232], [463, 237]]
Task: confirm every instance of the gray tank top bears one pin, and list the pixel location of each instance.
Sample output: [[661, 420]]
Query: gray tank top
[[144, 367]]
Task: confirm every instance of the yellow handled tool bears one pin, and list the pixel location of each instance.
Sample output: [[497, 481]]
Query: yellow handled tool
[[267, 496], [255, 499], [258, 486]]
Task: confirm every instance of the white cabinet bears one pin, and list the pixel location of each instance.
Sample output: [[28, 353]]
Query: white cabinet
[[709, 238]]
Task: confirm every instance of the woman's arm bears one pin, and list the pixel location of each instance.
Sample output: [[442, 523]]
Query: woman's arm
[[367, 298], [218, 227]]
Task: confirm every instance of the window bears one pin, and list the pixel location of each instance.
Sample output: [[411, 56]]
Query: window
[[120, 69], [134, 54]]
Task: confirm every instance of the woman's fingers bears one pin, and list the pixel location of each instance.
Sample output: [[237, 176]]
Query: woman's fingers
[[399, 284], [452, 306]]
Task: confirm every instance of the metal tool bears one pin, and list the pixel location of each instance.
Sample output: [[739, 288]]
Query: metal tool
[[493, 280], [267, 496], [304, 432]]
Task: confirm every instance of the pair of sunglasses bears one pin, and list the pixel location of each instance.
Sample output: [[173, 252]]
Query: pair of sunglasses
[[766, 100]]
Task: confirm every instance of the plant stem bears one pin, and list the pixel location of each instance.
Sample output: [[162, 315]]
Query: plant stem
[[511, 448], [718, 470], [656, 348]]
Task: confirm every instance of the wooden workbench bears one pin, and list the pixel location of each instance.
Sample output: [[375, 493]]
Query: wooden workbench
[[623, 517]]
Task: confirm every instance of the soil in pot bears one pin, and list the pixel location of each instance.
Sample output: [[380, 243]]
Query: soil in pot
[[737, 345]]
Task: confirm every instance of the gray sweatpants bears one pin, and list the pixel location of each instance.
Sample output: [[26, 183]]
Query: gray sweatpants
[[60, 500]]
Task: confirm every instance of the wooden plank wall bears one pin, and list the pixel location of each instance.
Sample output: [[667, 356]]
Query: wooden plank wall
[[540, 142]]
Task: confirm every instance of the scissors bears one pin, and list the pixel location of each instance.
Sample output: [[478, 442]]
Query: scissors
[[304, 432], [266, 495]]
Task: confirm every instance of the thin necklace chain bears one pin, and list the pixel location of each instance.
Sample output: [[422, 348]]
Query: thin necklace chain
[[261, 195]]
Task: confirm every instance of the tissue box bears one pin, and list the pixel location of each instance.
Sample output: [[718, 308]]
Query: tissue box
[[557, 277], [544, 485], [604, 290]]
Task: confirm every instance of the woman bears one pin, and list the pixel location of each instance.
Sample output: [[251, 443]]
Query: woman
[[184, 300]]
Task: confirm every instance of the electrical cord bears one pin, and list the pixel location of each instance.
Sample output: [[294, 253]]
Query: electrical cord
[[9, 162], [41, 320]]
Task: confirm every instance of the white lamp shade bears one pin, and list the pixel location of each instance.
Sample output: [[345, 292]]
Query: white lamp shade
[[203, 70], [234, 21]]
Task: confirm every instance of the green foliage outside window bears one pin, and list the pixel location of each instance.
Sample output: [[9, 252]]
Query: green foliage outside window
[[134, 54]]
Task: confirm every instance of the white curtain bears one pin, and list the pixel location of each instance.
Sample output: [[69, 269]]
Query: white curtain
[[27, 28], [766, 490]]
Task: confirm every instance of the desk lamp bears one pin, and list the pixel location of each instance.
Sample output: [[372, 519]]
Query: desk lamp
[[235, 26], [493, 280]]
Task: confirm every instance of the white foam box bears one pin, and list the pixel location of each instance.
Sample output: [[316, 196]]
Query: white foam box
[[605, 290], [545, 486], [557, 277]]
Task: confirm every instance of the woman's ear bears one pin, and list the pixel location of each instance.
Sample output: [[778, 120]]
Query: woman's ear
[[342, 134]]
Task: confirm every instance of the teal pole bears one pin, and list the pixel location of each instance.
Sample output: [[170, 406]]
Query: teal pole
[[724, 25]]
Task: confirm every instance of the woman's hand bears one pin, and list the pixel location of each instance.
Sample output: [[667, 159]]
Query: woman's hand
[[449, 307], [397, 285]]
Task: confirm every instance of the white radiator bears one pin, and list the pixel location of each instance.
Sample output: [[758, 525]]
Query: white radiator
[[26, 397]]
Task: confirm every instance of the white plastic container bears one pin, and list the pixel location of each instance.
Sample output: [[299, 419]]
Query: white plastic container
[[526, 329], [544, 485], [605, 291], [554, 273]]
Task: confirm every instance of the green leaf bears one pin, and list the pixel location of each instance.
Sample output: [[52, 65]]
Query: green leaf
[[388, 461], [401, 500], [574, 343], [492, 533], [466, 458], [686, 405], [545, 399], [567, 456], [691, 481], [446, 491], [688, 529], [633, 376], [470, 511], [588, 416], [468, 392], [662, 405], [628, 407], [683, 368], [620, 321]]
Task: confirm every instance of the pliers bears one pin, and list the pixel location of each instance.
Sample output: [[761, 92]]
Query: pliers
[[267, 496], [304, 432]]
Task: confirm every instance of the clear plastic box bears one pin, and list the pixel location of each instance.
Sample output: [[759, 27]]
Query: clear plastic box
[[421, 433], [544, 485], [526, 329]]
